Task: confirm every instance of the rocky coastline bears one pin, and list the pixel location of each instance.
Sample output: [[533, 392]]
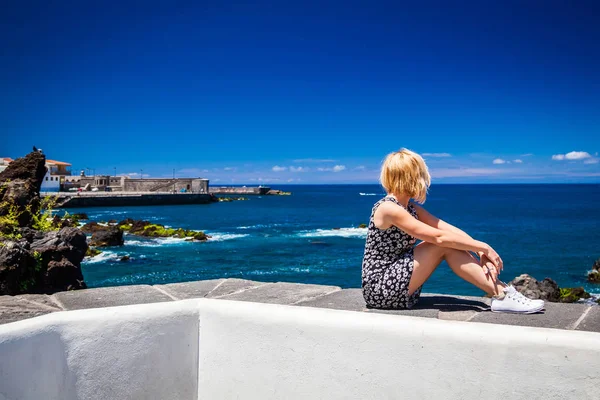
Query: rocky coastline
[[37, 253], [42, 253], [548, 290]]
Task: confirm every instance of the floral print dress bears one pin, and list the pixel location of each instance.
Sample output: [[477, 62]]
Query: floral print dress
[[388, 264]]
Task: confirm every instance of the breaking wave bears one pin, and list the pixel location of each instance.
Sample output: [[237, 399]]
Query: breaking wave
[[342, 232], [102, 257], [219, 237]]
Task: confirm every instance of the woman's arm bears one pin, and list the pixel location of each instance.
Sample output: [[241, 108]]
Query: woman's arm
[[435, 222], [392, 214]]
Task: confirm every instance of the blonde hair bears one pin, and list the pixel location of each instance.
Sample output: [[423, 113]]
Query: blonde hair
[[405, 172]]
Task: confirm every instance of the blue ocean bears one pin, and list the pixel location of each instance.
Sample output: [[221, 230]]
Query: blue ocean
[[313, 236]]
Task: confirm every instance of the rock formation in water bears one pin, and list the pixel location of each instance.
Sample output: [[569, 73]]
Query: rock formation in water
[[594, 274], [112, 236]]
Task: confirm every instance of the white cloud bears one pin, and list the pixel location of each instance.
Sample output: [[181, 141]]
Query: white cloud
[[499, 161], [314, 160], [592, 161], [469, 172], [360, 168], [437, 155], [298, 169], [574, 155], [337, 168], [136, 175], [277, 168], [518, 161]]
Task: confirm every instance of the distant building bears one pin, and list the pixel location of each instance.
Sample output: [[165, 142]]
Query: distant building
[[59, 178], [57, 174], [4, 161]]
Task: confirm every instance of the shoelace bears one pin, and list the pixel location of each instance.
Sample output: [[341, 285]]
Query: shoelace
[[517, 296]]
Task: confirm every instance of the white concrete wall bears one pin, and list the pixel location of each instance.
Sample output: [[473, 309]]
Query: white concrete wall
[[250, 351], [217, 349], [138, 352]]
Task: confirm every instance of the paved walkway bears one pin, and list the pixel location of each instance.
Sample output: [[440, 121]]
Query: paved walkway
[[459, 308]]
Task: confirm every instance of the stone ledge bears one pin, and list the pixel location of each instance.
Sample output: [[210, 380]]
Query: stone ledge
[[447, 307]]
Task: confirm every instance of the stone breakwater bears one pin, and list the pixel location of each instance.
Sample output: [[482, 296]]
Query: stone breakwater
[[117, 199], [581, 317]]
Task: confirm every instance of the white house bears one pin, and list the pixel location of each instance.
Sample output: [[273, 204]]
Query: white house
[[56, 174]]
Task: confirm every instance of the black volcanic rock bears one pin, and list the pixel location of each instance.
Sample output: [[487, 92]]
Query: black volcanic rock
[[61, 255], [594, 274], [92, 227], [17, 268], [20, 185], [32, 260], [109, 237], [530, 287]]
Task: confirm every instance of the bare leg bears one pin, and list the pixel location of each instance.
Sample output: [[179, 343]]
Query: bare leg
[[428, 256]]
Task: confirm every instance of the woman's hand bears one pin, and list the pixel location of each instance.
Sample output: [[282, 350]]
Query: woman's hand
[[493, 257], [488, 267]]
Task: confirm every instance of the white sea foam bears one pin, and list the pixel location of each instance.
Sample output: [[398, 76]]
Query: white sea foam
[[171, 240], [368, 194], [280, 271], [219, 237], [342, 232], [155, 242], [104, 256], [592, 300], [105, 213], [258, 226]]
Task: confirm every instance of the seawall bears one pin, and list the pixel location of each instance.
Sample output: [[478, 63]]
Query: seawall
[[308, 346], [120, 199], [438, 306]]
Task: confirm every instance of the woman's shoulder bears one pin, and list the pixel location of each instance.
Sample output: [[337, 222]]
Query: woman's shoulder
[[382, 201]]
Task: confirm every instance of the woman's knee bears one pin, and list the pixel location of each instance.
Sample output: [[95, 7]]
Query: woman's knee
[[450, 253]]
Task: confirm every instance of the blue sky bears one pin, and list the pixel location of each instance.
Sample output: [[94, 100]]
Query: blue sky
[[305, 92]]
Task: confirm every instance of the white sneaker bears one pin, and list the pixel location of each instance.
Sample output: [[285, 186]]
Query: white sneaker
[[515, 302]]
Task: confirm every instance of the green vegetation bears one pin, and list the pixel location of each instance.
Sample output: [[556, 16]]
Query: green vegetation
[[43, 220], [362, 226], [9, 223], [92, 252], [147, 229], [571, 295], [38, 260], [26, 284]]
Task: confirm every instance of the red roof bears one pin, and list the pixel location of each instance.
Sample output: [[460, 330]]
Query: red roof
[[7, 159], [58, 163]]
